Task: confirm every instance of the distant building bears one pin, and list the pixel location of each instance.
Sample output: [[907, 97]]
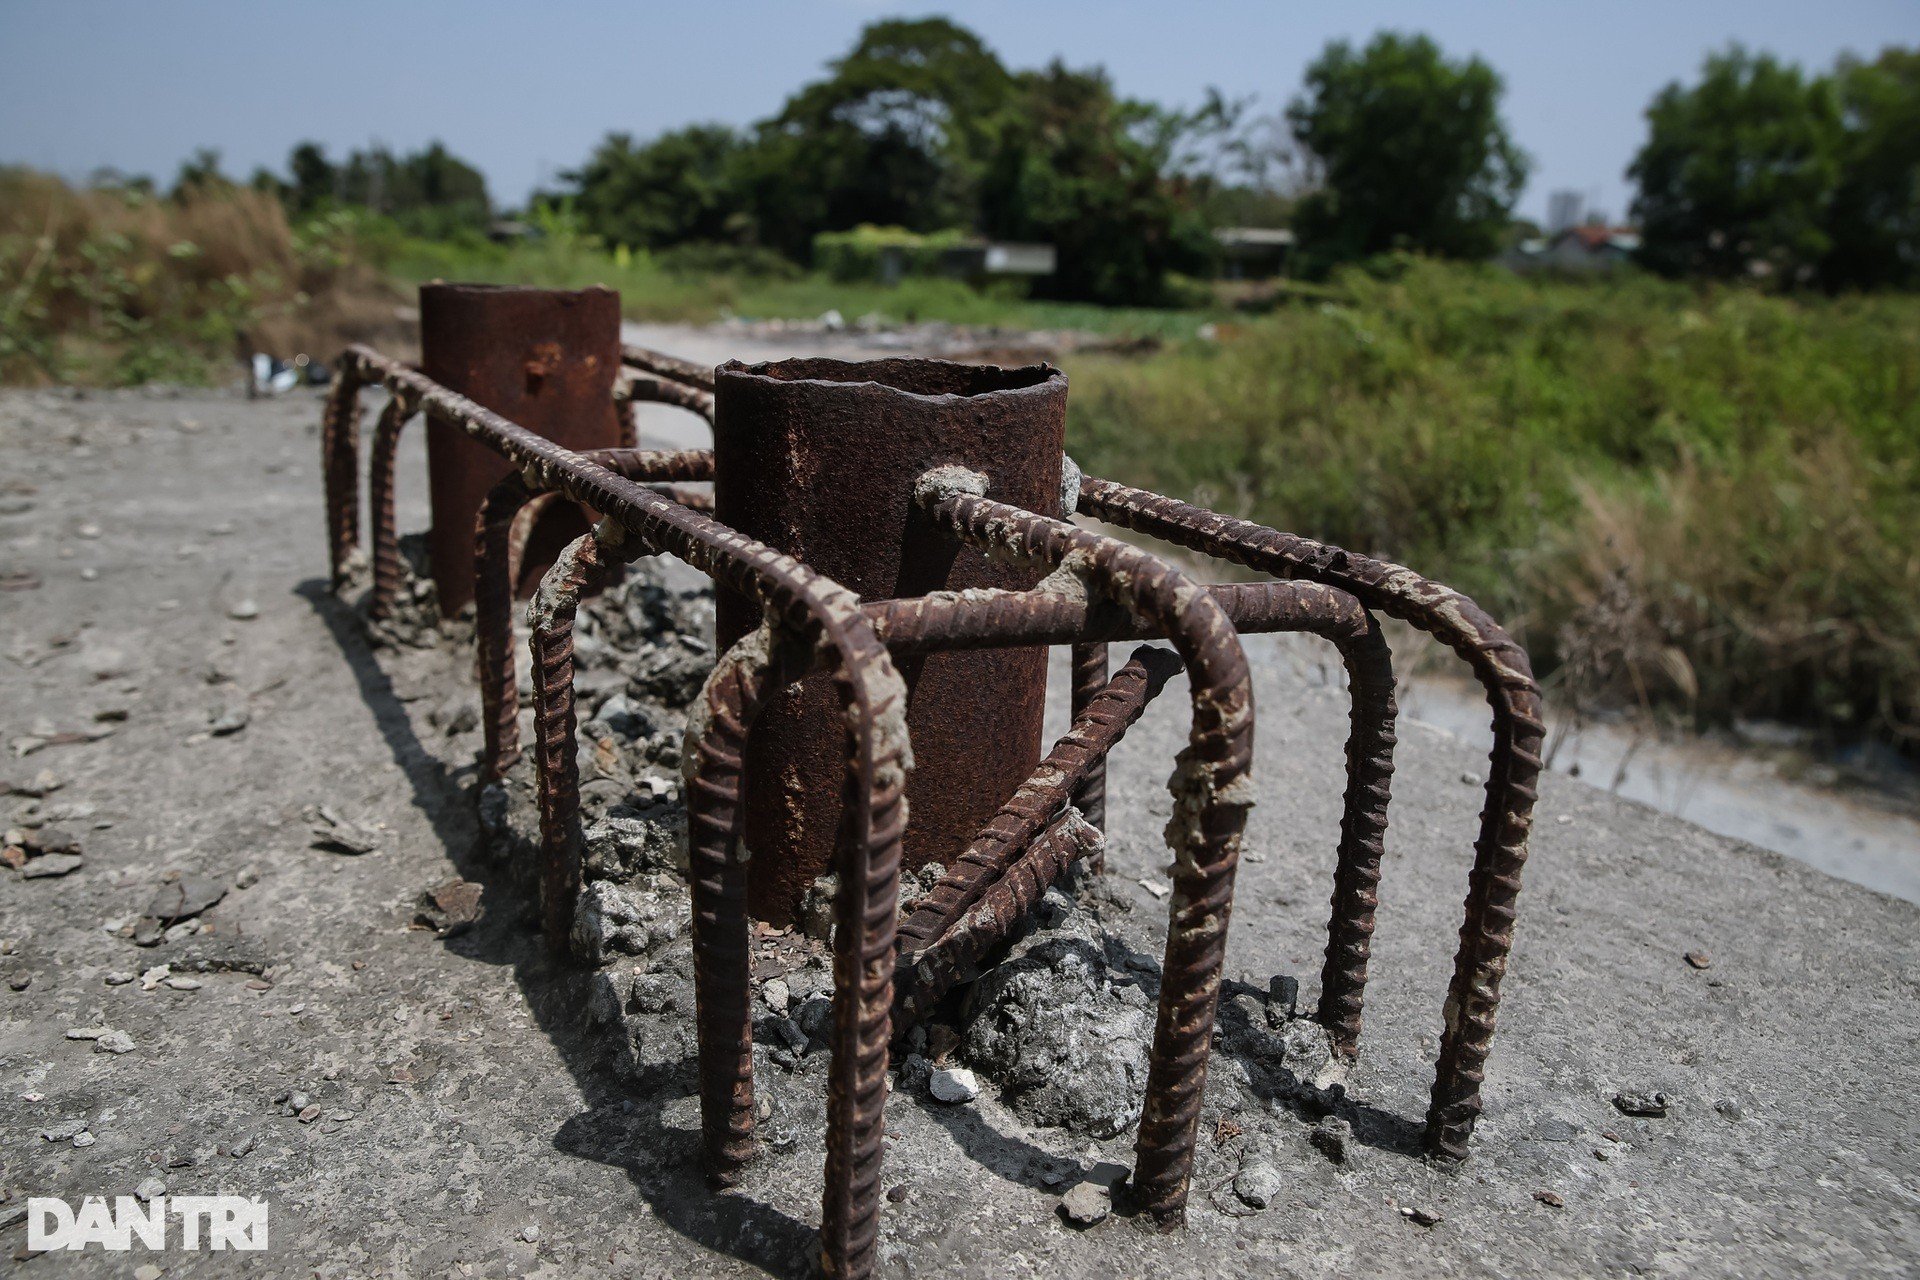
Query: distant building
[[1565, 209], [1254, 253], [1577, 250]]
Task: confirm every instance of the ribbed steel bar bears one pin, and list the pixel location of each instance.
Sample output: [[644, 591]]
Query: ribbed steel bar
[[1501, 665], [667, 367], [506, 517], [1039, 799], [878, 758], [992, 619], [1089, 675], [388, 572], [1056, 617], [1210, 791], [638, 386], [340, 467], [582, 567], [1004, 865], [713, 762], [954, 957]]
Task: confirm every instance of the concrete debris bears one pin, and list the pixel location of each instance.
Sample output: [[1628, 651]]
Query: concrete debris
[[1064, 1024], [449, 908], [114, 1042], [1333, 1138], [1257, 1184], [637, 919], [175, 903], [1086, 1205], [333, 831], [1420, 1215], [953, 1085], [54, 864], [1650, 1103]]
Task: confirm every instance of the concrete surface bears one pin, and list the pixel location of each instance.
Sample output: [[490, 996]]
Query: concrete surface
[[468, 1124]]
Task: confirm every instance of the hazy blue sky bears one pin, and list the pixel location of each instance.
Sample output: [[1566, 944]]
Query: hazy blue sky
[[524, 90]]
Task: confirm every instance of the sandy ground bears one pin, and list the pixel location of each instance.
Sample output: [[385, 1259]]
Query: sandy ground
[[467, 1123]]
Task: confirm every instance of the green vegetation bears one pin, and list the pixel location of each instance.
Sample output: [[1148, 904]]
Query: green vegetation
[[1760, 169], [700, 284], [118, 286], [1706, 496], [1417, 158]]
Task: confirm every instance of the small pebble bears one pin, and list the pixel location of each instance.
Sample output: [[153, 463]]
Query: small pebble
[[1420, 1214], [147, 1271], [84, 1138], [776, 994], [150, 1188], [1257, 1184], [184, 984], [1699, 959], [119, 978], [530, 1234], [953, 1085], [309, 1114], [1550, 1198], [1088, 1204], [242, 610], [114, 1042], [1652, 1103]]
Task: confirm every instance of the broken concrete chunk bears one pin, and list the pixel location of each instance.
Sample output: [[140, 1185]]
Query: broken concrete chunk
[[1088, 1204], [450, 908], [342, 835], [1257, 1184], [1651, 1103], [953, 1085], [55, 864]]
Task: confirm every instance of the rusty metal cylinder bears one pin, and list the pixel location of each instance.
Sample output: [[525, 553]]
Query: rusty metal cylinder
[[818, 459], [545, 359]]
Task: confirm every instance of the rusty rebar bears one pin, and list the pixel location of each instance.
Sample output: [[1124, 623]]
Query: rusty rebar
[[339, 466], [666, 367], [1500, 664], [1210, 792], [585, 565], [1004, 870], [878, 758], [713, 761], [1089, 675], [1107, 716], [501, 528], [1055, 617], [388, 572], [639, 386]]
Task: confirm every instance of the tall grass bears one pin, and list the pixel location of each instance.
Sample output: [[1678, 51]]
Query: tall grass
[[651, 288], [119, 286], [1707, 498]]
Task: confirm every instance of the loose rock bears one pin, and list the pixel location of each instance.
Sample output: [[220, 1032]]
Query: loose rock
[[1653, 1104], [1257, 1184], [953, 1085], [1086, 1205]]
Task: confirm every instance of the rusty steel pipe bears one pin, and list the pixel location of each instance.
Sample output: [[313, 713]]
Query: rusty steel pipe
[[1210, 792], [546, 359], [788, 434], [1501, 665], [873, 704], [500, 530], [636, 386]]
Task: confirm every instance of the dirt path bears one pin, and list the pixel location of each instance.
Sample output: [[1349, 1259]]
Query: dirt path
[[466, 1123]]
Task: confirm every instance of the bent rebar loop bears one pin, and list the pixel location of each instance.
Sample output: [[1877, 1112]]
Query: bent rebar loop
[[506, 518], [1506, 818], [1209, 787], [873, 821]]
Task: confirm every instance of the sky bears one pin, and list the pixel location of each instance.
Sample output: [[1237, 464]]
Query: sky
[[524, 91]]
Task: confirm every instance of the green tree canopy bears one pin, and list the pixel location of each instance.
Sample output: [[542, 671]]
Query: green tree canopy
[[1874, 217], [678, 187], [1739, 169], [1412, 151], [1090, 172]]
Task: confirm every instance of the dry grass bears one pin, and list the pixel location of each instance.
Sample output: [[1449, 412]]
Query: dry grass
[[121, 287]]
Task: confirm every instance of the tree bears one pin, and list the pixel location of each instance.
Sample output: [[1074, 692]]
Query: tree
[[1411, 149], [1873, 221], [681, 186], [200, 174], [894, 135], [1090, 172], [313, 177], [1739, 170]]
